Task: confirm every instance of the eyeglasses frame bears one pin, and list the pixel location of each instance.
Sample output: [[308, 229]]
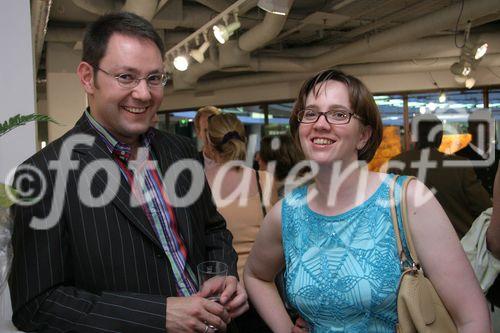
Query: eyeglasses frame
[[351, 115], [136, 82]]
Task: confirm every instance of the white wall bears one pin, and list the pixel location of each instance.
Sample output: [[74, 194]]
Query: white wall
[[17, 88]]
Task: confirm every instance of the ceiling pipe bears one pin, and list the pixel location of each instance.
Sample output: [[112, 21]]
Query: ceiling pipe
[[395, 67], [256, 37], [40, 11], [215, 5], [97, 7], [267, 64], [144, 8], [192, 18], [428, 47], [263, 32], [64, 35], [199, 70], [420, 27], [437, 21]]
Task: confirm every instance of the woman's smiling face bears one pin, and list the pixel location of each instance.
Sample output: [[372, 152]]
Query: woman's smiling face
[[323, 142]]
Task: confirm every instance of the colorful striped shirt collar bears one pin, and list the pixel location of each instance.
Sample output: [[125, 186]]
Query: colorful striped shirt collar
[[115, 147]]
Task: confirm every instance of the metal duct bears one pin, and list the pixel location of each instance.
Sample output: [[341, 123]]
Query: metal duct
[[97, 7], [231, 56], [262, 33], [256, 37], [216, 5], [436, 21], [199, 70], [64, 35], [40, 11], [144, 8], [491, 60]]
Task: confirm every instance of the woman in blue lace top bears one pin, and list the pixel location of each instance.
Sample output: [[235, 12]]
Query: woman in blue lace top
[[335, 234]]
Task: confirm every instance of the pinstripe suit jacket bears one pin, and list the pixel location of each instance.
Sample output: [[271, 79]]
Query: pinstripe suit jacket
[[103, 269]]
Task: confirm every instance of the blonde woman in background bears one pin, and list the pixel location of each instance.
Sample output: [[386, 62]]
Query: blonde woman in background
[[241, 194], [200, 126]]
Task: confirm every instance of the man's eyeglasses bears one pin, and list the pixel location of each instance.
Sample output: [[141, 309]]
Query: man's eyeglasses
[[334, 117], [130, 81]]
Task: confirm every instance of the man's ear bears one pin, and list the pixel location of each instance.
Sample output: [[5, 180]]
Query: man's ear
[[85, 72], [366, 134]]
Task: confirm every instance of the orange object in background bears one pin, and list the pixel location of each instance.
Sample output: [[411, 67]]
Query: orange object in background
[[390, 147], [451, 143]]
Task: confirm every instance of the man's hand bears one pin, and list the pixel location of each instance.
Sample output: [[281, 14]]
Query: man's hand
[[301, 326], [193, 314], [233, 298]]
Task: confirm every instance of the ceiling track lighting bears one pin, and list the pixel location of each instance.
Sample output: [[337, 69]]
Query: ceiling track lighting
[[181, 62], [178, 57], [222, 32], [199, 53], [442, 97], [470, 82], [481, 50], [472, 52]]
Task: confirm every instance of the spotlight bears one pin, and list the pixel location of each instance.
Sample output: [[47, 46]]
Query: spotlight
[[432, 106], [466, 70], [181, 63], [457, 68], [470, 82], [278, 7], [223, 32], [481, 50], [442, 97], [199, 54], [460, 68]]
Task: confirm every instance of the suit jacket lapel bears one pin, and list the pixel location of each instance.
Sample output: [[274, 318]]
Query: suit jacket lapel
[[122, 200]]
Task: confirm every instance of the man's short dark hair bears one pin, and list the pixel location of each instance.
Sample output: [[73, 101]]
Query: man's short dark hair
[[97, 35]]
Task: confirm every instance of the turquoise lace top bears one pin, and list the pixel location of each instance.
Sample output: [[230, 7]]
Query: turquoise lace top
[[342, 271]]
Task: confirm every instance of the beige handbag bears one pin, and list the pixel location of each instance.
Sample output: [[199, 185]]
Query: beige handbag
[[419, 307]]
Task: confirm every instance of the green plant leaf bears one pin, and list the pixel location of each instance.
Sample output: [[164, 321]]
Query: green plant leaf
[[19, 120], [5, 201]]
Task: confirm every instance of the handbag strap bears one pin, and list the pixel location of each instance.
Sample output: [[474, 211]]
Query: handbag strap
[[407, 254], [264, 211]]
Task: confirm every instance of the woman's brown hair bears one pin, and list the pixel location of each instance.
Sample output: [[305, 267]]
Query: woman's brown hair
[[362, 104]]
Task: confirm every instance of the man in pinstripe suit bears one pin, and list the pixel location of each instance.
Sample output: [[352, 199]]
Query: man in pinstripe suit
[[109, 247]]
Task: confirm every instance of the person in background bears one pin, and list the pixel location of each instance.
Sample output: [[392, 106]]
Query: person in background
[[200, 127], [242, 195], [457, 188], [493, 233], [278, 155], [482, 148], [336, 236], [125, 262]]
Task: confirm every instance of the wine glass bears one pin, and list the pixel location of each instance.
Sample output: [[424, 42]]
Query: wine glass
[[213, 273]]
